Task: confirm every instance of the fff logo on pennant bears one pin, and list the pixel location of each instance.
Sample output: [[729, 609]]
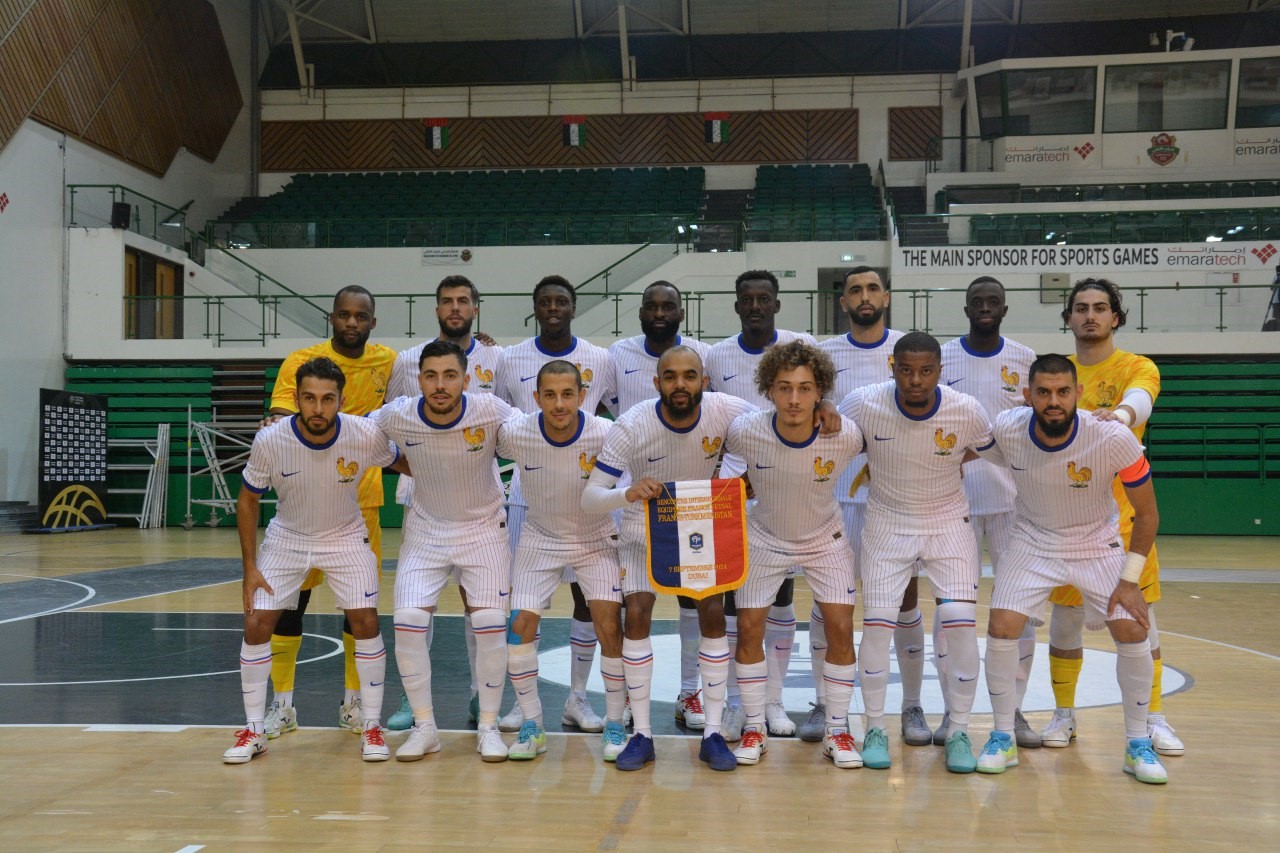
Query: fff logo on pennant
[[695, 541]]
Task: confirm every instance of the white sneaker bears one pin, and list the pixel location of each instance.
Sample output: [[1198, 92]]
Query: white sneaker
[[731, 723], [578, 712], [351, 716], [490, 745], [512, 720], [689, 710], [1061, 729], [752, 747], [423, 738], [249, 744], [373, 746], [779, 724], [613, 741], [841, 749], [1141, 762], [280, 720], [626, 715], [1163, 737]]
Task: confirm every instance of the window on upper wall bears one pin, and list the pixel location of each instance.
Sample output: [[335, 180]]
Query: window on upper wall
[[990, 105], [1037, 101], [1167, 96], [1258, 98]]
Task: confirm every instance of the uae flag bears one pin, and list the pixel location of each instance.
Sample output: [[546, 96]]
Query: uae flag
[[437, 133], [575, 134], [717, 127]]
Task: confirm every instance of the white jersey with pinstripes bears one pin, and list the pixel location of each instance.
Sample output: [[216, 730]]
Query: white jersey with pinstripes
[[455, 482], [792, 481], [482, 367], [634, 368], [556, 474], [915, 459], [996, 380], [642, 444], [318, 508], [517, 374], [1065, 506], [857, 366]]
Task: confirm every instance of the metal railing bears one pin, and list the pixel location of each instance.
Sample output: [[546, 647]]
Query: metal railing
[[960, 154]]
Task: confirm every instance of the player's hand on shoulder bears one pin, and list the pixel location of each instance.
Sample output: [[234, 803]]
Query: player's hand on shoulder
[[644, 489], [1104, 415], [827, 419], [269, 419], [484, 338]]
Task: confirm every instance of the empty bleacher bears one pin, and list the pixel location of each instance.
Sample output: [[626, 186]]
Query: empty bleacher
[[1159, 226], [1073, 193], [797, 203]]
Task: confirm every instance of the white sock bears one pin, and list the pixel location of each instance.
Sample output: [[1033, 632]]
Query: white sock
[[779, 640], [690, 634], [414, 661], [469, 635], [582, 644], [959, 623], [284, 698], [878, 625], [908, 642], [1026, 656], [731, 635], [615, 688], [522, 666], [713, 664], [940, 658], [491, 661], [818, 652], [1134, 671], [839, 679], [753, 681], [371, 666], [1002, 671], [255, 672], [637, 668]]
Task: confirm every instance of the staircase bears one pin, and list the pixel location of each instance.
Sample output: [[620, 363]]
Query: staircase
[[16, 516], [719, 229]]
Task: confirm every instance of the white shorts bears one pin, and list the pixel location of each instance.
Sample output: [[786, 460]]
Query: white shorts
[[635, 574], [352, 574], [997, 527], [1025, 580], [539, 567], [888, 559], [481, 561], [826, 559]]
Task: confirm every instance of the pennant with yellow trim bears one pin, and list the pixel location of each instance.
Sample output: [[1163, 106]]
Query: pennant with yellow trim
[[696, 537]]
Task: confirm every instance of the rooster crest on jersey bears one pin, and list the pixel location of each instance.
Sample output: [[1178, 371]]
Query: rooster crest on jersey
[[946, 443], [1010, 378], [475, 438], [379, 381], [1079, 477], [823, 469], [347, 471], [586, 464], [1107, 395], [585, 373], [484, 377], [711, 446]]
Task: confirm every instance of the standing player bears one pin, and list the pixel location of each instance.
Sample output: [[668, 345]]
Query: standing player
[[367, 368], [795, 521], [456, 524], [916, 437], [993, 370], [1121, 386], [555, 303], [556, 449], [635, 363], [864, 357], [312, 460], [457, 307], [731, 369], [677, 437], [1066, 531]]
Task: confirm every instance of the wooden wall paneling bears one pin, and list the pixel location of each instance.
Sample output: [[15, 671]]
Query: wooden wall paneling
[[832, 136], [12, 11], [910, 129]]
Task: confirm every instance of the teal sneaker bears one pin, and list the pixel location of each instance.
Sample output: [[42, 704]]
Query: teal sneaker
[[960, 753], [402, 719], [530, 743], [875, 750], [613, 741], [999, 754], [1141, 762], [473, 709]]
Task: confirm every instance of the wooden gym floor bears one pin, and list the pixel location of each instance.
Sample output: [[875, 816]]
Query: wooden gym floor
[[118, 693]]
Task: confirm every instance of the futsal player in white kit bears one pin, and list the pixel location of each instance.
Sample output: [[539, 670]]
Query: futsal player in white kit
[[795, 521], [457, 307], [864, 356], [457, 524], [314, 460], [916, 435], [993, 370], [679, 436], [556, 449], [635, 362], [554, 306], [1067, 531]]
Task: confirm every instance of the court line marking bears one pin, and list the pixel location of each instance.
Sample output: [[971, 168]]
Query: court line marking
[[167, 592], [92, 593], [190, 848], [1165, 633]]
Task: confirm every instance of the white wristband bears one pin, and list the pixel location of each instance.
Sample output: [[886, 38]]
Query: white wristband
[[1133, 565], [1124, 417]]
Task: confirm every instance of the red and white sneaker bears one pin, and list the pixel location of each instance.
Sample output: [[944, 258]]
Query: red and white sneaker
[[248, 745], [689, 710], [373, 747], [752, 747], [839, 746]]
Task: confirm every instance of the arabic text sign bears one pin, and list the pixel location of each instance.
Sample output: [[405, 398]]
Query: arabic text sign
[[1225, 257]]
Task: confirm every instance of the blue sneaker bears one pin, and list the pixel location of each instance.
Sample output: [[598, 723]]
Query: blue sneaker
[[613, 741], [717, 754], [1141, 762], [402, 719], [960, 753], [875, 750], [999, 754], [638, 753]]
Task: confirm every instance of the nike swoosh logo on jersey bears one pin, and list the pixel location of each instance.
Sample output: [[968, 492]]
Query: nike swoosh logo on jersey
[[951, 382], [656, 458], [760, 467], [617, 589], [1016, 468], [504, 594], [533, 468], [527, 378], [882, 437], [290, 474], [853, 592], [727, 378], [634, 370], [370, 594], [413, 443]]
